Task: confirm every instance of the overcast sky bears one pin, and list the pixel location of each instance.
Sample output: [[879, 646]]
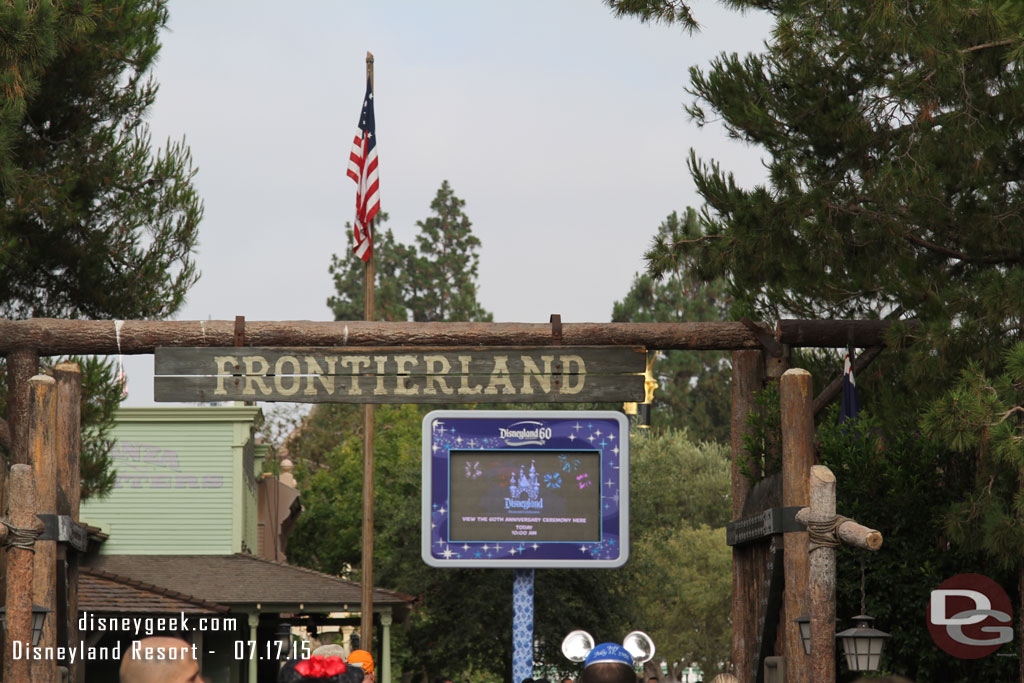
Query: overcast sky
[[561, 127]]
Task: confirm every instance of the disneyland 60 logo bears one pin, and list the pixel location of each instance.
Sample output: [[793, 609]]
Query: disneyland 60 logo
[[969, 616]]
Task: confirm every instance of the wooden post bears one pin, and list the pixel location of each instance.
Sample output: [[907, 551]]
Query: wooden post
[[366, 603], [823, 579], [69, 445], [42, 435], [747, 377], [19, 573], [22, 364], [796, 398]]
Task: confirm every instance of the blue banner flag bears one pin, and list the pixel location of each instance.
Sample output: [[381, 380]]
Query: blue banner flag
[[850, 405]]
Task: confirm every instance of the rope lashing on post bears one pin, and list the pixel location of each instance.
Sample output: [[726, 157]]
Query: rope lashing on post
[[826, 534], [24, 538]]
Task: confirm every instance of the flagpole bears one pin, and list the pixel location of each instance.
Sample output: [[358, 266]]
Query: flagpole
[[366, 605]]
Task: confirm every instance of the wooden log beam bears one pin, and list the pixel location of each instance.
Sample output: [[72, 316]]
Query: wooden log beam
[[832, 333], [50, 336], [822, 580], [795, 395], [850, 532]]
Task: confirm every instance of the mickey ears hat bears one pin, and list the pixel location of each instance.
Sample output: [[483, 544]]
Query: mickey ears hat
[[636, 648]]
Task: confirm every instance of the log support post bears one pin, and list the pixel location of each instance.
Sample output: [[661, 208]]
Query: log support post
[[25, 528], [747, 378], [826, 531], [42, 435], [796, 396], [823, 578], [69, 445]]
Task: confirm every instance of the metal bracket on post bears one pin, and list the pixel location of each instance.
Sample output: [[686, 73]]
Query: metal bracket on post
[[770, 343], [556, 329], [63, 529], [239, 330], [768, 523]]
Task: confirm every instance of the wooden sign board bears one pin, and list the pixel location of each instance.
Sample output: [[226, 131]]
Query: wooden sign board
[[548, 374]]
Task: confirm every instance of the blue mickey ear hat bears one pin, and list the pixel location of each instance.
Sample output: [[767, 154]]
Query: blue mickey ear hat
[[636, 648]]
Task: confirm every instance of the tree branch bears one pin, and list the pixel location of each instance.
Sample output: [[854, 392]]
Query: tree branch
[[959, 255], [699, 239], [985, 46]]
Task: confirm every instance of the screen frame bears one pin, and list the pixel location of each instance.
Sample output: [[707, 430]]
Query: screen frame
[[611, 551]]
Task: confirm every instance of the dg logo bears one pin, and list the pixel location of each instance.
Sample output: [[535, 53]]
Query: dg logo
[[970, 616]]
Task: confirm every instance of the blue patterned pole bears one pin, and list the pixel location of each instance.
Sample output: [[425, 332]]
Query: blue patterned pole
[[522, 625]]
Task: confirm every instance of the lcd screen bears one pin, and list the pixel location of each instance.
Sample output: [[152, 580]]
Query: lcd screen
[[525, 496]]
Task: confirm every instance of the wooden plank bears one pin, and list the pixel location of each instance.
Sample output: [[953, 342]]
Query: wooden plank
[[403, 389], [771, 602], [605, 360]]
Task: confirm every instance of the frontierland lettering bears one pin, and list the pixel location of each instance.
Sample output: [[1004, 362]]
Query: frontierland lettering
[[400, 375]]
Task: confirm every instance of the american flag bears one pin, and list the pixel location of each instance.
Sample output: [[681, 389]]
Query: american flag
[[362, 168], [850, 406]]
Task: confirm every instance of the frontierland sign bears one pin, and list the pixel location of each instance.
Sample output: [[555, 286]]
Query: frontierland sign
[[401, 374]]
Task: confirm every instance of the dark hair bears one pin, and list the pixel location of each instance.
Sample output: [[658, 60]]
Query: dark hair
[[608, 672]]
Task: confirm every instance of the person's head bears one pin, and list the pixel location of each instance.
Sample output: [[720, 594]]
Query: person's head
[[363, 660], [567, 680], [608, 672], [319, 669], [652, 679], [160, 659]]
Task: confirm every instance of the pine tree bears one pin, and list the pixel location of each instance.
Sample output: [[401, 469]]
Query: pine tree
[[894, 157], [434, 283], [693, 390], [94, 221], [444, 276]]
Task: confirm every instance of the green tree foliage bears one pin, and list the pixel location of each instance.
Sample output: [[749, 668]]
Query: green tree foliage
[[982, 420], [693, 390], [893, 155], [391, 262], [680, 571], [463, 619], [94, 221], [902, 485], [893, 149], [432, 283]]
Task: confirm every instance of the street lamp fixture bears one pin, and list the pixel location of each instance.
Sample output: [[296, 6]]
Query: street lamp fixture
[[804, 623], [862, 644], [38, 620]]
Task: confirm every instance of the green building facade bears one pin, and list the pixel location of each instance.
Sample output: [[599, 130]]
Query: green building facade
[[186, 482]]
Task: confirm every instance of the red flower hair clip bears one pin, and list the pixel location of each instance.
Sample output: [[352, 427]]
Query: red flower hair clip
[[321, 667]]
